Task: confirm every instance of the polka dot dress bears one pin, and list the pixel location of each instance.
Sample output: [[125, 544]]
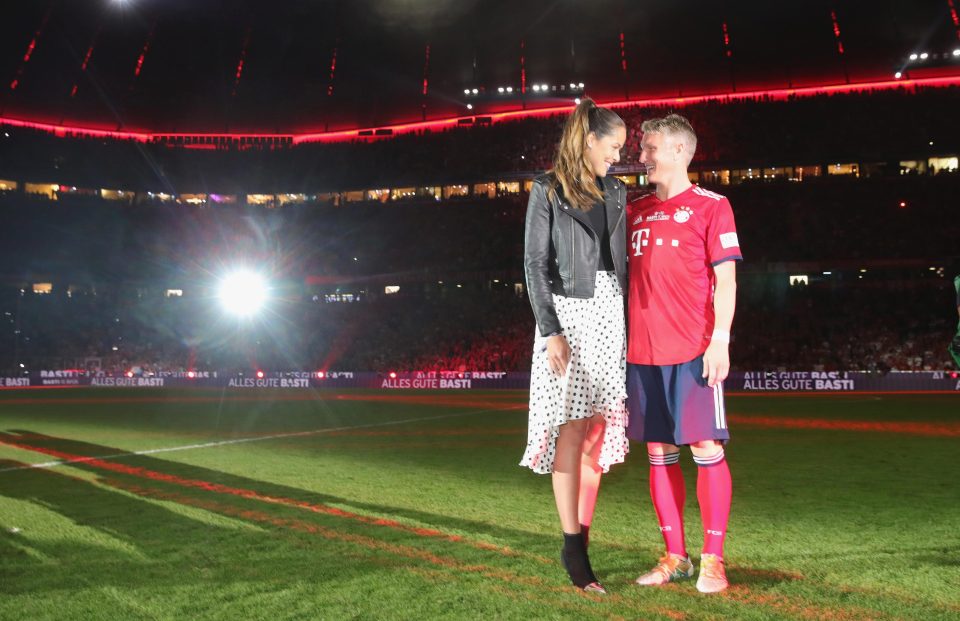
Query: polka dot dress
[[595, 381]]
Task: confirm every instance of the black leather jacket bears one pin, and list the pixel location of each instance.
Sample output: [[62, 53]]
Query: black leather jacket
[[561, 251]]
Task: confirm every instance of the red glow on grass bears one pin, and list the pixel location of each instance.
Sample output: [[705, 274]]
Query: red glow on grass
[[940, 430], [154, 475]]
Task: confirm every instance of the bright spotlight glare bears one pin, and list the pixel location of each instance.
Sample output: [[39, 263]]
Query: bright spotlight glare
[[243, 293]]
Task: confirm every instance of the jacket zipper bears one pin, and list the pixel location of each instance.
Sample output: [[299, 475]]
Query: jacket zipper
[[573, 256]]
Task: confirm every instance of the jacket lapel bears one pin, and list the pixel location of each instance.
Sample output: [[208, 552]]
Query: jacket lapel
[[613, 204]]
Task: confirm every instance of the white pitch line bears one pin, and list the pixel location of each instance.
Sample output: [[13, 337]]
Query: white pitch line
[[188, 447]]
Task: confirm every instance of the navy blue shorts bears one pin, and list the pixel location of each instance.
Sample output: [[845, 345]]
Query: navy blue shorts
[[673, 404]]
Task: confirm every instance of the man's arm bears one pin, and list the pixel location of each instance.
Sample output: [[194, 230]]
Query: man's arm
[[716, 360]]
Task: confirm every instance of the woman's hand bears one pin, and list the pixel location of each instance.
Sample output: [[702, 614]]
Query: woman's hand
[[558, 353]]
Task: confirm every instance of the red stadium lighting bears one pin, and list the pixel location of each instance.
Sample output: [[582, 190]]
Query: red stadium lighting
[[321, 375], [191, 374], [259, 374], [393, 375], [954, 375]]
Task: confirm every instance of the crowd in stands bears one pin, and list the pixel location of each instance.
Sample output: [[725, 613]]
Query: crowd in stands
[[879, 326]]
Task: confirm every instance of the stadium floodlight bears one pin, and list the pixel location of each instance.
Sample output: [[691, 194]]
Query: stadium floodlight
[[475, 91], [913, 56], [466, 91], [580, 85], [536, 87], [924, 56], [577, 101], [469, 106], [500, 90], [243, 293], [956, 52], [509, 89], [898, 75]]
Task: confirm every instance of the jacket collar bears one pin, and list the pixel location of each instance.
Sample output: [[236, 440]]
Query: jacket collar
[[611, 201]]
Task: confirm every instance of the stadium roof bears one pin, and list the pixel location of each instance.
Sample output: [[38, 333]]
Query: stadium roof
[[312, 65]]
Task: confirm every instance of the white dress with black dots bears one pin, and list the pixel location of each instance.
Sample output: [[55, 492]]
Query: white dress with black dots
[[595, 381]]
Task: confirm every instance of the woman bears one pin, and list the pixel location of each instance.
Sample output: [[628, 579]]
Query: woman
[[575, 263]]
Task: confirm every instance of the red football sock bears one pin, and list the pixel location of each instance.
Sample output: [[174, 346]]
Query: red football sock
[[669, 495], [714, 491]]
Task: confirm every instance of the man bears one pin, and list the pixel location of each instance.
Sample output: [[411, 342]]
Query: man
[[682, 294]]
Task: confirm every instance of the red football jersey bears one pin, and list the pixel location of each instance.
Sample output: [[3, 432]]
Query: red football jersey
[[673, 247]]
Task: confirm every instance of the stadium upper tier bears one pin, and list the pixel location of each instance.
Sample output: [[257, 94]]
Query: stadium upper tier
[[861, 131]]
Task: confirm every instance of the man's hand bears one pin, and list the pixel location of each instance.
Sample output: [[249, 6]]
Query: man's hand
[[716, 362], [558, 353]]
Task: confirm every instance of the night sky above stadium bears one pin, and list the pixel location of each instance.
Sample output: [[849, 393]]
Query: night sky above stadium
[[219, 65]]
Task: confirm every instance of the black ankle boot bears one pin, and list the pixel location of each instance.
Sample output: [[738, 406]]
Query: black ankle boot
[[575, 561]]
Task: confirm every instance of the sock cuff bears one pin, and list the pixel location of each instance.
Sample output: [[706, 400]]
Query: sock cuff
[[667, 459], [711, 460]]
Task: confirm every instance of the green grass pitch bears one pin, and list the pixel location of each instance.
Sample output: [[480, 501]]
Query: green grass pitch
[[351, 504]]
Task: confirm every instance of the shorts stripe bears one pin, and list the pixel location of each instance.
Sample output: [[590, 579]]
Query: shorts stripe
[[716, 406], [723, 408]]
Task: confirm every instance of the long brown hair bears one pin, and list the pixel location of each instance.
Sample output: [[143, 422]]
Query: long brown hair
[[570, 166]]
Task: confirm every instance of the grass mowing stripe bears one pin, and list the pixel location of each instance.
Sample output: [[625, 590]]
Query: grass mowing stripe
[[188, 447]]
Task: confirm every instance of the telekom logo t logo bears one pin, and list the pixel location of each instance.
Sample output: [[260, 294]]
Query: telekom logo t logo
[[640, 238]]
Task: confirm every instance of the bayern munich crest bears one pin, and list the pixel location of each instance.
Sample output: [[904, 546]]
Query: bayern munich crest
[[682, 215]]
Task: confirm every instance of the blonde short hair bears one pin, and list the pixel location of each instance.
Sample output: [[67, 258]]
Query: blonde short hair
[[676, 126]]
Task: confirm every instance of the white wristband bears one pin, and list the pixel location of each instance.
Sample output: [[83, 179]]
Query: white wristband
[[720, 335]]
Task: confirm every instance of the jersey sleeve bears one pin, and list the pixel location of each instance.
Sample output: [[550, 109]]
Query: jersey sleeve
[[722, 242]]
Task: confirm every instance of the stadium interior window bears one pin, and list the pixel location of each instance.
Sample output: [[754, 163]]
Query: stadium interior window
[[117, 195], [937, 164], [355, 196], [799, 279], [223, 199], [43, 288], [46, 189], [528, 185], [194, 199], [433, 191], [629, 180], [508, 187], [8, 186], [806, 171], [402, 193], [778, 173], [340, 297], [391, 289], [693, 176], [912, 167], [518, 288], [287, 199], [261, 199], [450, 191], [378, 195], [716, 177], [488, 190], [174, 293], [844, 169]]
